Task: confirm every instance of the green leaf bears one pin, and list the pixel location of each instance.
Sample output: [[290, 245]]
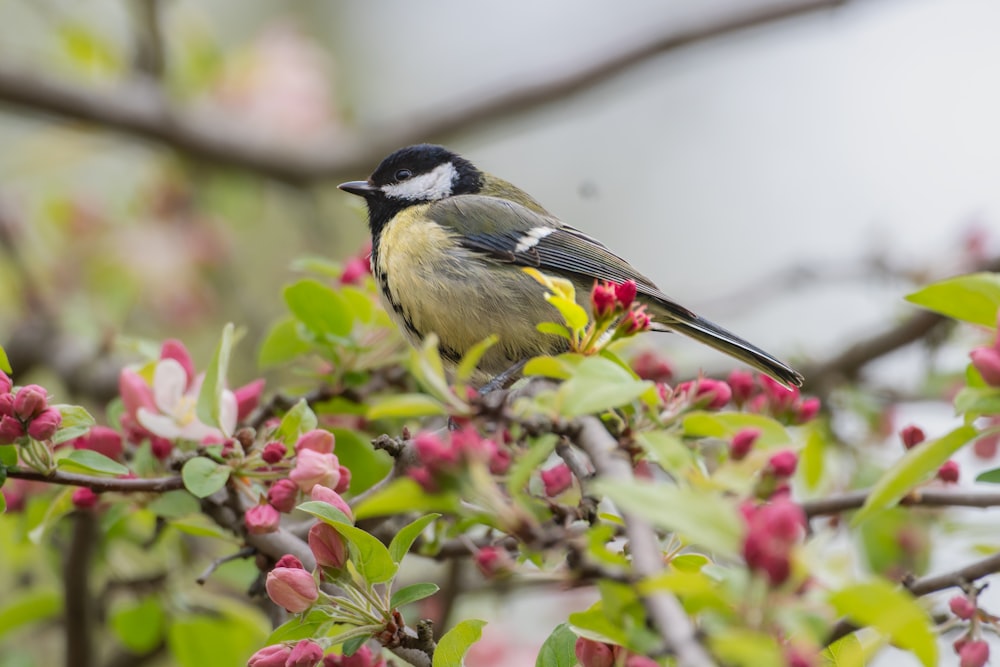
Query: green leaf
[[299, 627], [139, 626], [404, 406], [174, 504], [892, 612], [412, 593], [428, 369], [319, 308], [470, 360], [199, 525], [666, 449], [4, 361], [916, 465], [991, 476], [977, 401], [24, 608], [405, 538], [370, 556], [845, 652], [89, 461], [708, 520], [8, 455], [811, 457], [451, 649], [367, 464], [210, 397], [725, 425], [282, 344], [972, 298], [405, 495], [300, 419], [558, 368], [595, 624], [559, 648], [746, 648], [218, 639], [598, 385], [76, 421], [203, 476], [554, 329]]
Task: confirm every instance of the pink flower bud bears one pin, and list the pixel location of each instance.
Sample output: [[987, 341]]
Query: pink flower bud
[[772, 531], [305, 654], [912, 436], [275, 655], [423, 476], [29, 401], [83, 498], [135, 392], [974, 654], [783, 463], [716, 392], [327, 546], [355, 270], [45, 425], [807, 410], [160, 447], [500, 461], [288, 560], [636, 321], [948, 473], [962, 607], [292, 588], [363, 657], [603, 300], [557, 479], [640, 661], [433, 452], [174, 349], [797, 657], [985, 448], [312, 468], [6, 405], [986, 360], [327, 495], [262, 519], [742, 443], [5, 383], [345, 480], [317, 440], [493, 562], [11, 429], [283, 495], [273, 452], [625, 294], [103, 440], [593, 654], [649, 365], [780, 397], [742, 385], [248, 398]]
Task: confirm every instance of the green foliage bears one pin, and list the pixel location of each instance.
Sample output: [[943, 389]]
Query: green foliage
[[76, 421], [972, 298], [404, 539], [87, 461], [202, 476], [558, 648], [4, 361], [210, 397], [455, 643]]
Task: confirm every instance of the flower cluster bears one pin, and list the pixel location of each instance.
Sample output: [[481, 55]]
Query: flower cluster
[[441, 461], [611, 301], [768, 396], [592, 653], [307, 653], [25, 412], [773, 529]]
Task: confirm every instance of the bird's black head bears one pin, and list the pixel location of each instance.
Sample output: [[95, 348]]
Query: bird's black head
[[414, 175]]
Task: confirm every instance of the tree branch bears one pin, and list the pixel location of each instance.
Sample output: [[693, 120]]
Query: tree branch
[[140, 111], [114, 484], [918, 497]]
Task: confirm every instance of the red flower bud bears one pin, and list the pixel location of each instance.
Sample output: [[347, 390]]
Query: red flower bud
[[986, 360], [780, 397], [317, 440], [948, 473], [45, 425], [83, 498], [974, 654], [640, 661], [557, 479], [636, 321], [29, 401], [591, 653], [806, 410], [327, 546], [313, 467], [160, 447], [363, 657], [912, 436], [355, 270], [273, 452], [649, 365], [345, 480], [625, 294], [305, 654], [275, 655], [772, 531], [783, 463], [10, 430], [292, 588], [742, 443], [262, 519], [797, 657], [434, 452], [283, 495], [6, 405], [493, 561], [603, 300], [103, 440], [500, 461], [5, 383], [962, 607], [288, 560], [742, 385]]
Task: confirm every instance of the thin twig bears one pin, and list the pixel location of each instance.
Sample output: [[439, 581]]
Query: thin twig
[[245, 552], [920, 497]]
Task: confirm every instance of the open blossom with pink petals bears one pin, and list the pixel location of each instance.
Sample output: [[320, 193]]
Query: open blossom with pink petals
[[174, 414]]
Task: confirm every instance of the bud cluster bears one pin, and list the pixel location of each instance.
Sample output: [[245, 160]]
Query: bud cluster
[[441, 460], [773, 529], [768, 396], [25, 412], [610, 301]]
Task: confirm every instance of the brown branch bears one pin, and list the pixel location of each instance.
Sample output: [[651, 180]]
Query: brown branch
[[665, 611], [79, 614], [112, 484], [140, 111], [918, 497], [958, 578]]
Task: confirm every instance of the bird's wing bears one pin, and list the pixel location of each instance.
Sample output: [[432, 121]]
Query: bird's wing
[[513, 233]]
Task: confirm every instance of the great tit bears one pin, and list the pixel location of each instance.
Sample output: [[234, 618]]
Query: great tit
[[448, 246]]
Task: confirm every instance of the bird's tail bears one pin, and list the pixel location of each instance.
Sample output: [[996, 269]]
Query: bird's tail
[[715, 336]]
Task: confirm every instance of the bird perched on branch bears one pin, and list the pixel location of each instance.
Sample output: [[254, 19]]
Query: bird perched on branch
[[449, 243]]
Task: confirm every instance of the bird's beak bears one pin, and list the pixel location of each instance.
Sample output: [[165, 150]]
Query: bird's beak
[[359, 188]]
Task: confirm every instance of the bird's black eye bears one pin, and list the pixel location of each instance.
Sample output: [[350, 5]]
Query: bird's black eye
[[403, 174]]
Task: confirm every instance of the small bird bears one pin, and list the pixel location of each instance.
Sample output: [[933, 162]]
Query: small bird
[[449, 243]]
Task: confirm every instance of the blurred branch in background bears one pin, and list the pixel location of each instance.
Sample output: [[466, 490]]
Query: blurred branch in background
[[140, 110]]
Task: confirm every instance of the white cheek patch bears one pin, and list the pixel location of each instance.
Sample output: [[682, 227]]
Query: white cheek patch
[[435, 184], [532, 237]]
